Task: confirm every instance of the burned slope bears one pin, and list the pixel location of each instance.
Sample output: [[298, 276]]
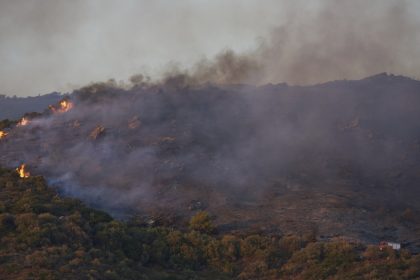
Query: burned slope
[[340, 158]]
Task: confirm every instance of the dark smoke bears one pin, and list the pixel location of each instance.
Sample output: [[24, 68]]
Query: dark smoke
[[344, 39], [154, 143], [337, 40], [53, 43]]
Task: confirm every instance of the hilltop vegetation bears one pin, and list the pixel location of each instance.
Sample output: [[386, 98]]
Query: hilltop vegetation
[[15, 107], [46, 236]]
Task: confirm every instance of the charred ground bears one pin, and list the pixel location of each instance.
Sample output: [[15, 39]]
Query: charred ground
[[337, 159]]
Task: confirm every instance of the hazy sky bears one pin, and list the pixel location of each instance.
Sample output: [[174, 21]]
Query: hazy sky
[[49, 45]]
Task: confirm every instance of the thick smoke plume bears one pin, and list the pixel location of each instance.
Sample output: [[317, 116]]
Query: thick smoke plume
[[343, 40], [156, 143], [329, 41], [54, 43]]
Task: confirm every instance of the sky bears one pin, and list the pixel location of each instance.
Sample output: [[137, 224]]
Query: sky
[[60, 45]]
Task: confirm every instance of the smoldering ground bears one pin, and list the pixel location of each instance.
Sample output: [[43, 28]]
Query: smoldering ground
[[172, 142]]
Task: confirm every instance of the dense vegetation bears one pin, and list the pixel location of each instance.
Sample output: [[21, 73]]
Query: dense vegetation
[[46, 236]]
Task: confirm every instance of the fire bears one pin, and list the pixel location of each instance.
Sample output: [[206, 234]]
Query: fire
[[65, 106], [2, 134], [21, 171], [24, 121]]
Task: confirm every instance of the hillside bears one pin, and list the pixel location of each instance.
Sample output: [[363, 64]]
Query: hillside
[[340, 159], [46, 236], [14, 107]]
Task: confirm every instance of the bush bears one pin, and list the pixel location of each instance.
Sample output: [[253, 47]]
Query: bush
[[7, 222], [202, 222]]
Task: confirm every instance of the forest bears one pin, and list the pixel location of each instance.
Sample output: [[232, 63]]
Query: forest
[[44, 235]]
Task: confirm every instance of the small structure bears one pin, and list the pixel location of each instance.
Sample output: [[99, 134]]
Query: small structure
[[393, 245]]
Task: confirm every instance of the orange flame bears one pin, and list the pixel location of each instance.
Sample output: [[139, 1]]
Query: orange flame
[[21, 171], [24, 121], [65, 106], [2, 134]]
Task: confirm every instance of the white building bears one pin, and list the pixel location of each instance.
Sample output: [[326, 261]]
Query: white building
[[393, 245]]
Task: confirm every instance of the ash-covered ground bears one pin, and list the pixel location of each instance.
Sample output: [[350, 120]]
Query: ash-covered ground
[[338, 159]]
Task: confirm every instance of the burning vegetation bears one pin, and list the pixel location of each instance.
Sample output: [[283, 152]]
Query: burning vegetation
[[23, 122], [63, 106], [22, 172], [277, 148], [3, 134], [47, 236]]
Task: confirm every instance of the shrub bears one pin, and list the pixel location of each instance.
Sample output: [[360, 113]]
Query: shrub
[[202, 222]]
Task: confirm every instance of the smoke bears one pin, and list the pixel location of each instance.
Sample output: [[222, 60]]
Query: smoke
[[334, 40], [160, 145], [330, 41], [57, 45], [343, 40], [215, 132]]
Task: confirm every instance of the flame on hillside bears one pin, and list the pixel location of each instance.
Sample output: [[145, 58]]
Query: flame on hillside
[[64, 106], [21, 171], [24, 121], [3, 134]]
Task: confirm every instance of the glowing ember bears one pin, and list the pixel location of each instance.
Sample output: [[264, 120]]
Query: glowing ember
[[65, 106], [2, 134], [23, 122], [21, 171]]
